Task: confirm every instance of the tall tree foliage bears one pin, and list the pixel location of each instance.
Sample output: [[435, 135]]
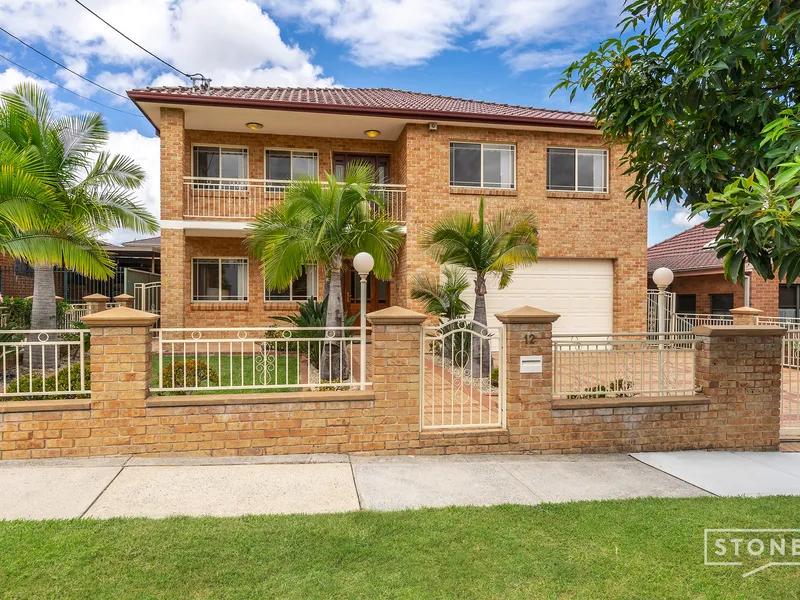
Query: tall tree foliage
[[688, 86]]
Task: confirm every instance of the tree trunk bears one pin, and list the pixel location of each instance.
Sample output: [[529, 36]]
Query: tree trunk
[[43, 314], [334, 364], [481, 363]]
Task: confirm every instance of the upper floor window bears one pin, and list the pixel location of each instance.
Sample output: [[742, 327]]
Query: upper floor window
[[212, 163], [285, 165], [219, 280], [302, 288], [482, 165], [577, 170]]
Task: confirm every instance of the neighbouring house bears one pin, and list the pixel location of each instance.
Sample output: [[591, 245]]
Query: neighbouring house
[[700, 285], [228, 153], [138, 261]]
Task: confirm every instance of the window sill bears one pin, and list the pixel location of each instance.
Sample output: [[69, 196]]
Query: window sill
[[232, 305], [471, 191], [579, 195], [587, 403]]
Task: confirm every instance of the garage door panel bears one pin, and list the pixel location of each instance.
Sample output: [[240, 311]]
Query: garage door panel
[[580, 290]]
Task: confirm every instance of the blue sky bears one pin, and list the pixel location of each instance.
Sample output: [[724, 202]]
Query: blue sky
[[509, 51]]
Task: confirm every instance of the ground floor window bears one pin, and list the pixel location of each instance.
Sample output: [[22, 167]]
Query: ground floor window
[[219, 280], [301, 289], [721, 304], [789, 301], [686, 303]]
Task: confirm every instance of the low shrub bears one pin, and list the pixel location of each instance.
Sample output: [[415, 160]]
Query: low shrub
[[197, 372], [68, 378], [19, 312], [495, 377]]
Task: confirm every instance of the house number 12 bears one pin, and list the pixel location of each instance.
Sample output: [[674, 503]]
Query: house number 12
[[530, 339]]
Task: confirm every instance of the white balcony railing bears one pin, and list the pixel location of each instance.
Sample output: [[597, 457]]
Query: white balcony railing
[[245, 198]]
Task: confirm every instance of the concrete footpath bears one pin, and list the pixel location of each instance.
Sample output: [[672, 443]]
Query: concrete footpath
[[160, 487]]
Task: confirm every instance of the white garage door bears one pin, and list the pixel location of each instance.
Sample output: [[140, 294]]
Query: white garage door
[[580, 290]]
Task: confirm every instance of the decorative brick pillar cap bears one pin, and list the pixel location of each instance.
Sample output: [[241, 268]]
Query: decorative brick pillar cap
[[96, 298], [526, 314], [396, 315], [121, 316], [124, 299], [739, 330], [747, 311]]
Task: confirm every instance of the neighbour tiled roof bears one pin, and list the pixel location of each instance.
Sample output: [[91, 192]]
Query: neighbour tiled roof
[[151, 241], [686, 251], [364, 99]]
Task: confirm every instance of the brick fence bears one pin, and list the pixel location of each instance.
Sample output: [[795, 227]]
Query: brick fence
[[738, 407]]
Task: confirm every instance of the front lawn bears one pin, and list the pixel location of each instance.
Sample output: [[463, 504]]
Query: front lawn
[[236, 370], [640, 549]]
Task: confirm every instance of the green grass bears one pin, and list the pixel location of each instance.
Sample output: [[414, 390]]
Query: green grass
[[636, 549], [241, 373]]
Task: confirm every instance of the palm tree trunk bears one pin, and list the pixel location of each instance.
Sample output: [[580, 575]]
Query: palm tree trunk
[[481, 363], [43, 313], [334, 362]]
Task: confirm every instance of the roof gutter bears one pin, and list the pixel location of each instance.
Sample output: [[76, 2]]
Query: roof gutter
[[353, 110]]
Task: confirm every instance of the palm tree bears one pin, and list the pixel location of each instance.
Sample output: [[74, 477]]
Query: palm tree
[[326, 223], [508, 240], [442, 296], [91, 193]]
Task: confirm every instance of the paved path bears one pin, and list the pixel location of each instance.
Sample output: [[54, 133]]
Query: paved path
[[110, 487]]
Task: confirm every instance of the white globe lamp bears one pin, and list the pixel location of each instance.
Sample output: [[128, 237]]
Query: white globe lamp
[[662, 277], [363, 263]]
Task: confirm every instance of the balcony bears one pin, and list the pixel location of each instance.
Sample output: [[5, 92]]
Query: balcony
[[241, 199]]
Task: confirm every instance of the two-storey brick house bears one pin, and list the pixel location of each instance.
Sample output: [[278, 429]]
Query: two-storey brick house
[[227, 153]]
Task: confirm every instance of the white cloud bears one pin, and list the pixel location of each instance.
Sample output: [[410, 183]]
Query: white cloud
[[234, 42], [683, 218], [11, 77], [409, 32], [532, 60], [145, 151]]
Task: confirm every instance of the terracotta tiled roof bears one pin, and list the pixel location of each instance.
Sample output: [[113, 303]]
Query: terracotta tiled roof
[[686, 251], [374, 100]]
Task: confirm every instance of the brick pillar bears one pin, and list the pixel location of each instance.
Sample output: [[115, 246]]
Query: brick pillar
[[95, 303], [739, 368], [396, 344], [124, 300], [174, 275], [120, 358], [173, 167], [529, 396], [746, 315]]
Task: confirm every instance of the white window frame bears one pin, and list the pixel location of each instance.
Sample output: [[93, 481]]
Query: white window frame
[[220, 298], [513, 147], [312, 292], [221, 181], [577, 150], [291, 165]]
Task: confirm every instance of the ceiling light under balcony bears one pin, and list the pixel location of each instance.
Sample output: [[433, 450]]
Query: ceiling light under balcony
[[373, 133], [255, 126]]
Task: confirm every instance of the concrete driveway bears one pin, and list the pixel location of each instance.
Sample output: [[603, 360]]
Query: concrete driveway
[[111, 487]]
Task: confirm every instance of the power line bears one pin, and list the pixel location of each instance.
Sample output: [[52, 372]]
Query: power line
[[124, 112], [204, 82], [54, 61]]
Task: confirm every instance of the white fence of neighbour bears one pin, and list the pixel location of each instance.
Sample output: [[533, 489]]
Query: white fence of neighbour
[[194, 360], [790, 323], [43, 362], [622, 365], [686, 322], [147, 297], [245, 198], [652, 309], [462, 376], [73, 315]]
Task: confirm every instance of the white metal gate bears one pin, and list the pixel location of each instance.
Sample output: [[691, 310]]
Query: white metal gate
[[462, 376], [147, 297], [790, 385]]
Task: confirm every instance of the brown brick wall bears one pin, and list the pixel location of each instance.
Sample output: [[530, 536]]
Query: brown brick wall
[[739, 376], [763, 294], [605, 226], [598, 226]]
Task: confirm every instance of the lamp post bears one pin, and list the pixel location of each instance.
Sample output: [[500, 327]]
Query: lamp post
[[363, 263], [662, 277]]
